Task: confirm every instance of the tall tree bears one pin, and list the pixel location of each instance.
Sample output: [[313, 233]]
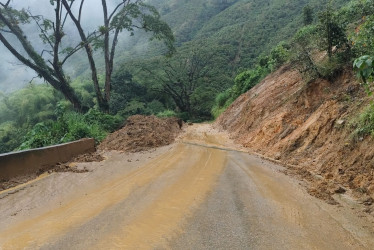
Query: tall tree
[[48, 64], [304, 44], [181, 76], [332, 32], [308, 15], [51, 70]]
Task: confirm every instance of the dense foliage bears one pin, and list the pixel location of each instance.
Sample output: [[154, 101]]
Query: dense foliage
[[224, 48], [55, 45], [70, 126]]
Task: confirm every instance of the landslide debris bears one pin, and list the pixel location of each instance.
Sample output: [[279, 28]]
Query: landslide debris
[[305, 126], [142, 133], [89, 157]]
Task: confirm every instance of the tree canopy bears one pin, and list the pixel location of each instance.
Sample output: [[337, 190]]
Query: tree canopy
[[49, 62]]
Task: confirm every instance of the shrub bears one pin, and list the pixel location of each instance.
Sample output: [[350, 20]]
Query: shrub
[[108, 122], [222, 98], [202, 100], [365, 72], [10, 137], [79, 127], [166, 113], [134, 107], [217, 111], [71, 126], [364, 125], [362, 38], [278, 56], [155, 107], [247, 80], [328, 69]]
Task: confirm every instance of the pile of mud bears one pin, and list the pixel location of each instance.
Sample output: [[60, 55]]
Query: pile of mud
[[143, 133], [305, 126]]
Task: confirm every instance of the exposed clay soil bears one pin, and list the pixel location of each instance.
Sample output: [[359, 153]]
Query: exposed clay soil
[[306, 127], [143, 133]]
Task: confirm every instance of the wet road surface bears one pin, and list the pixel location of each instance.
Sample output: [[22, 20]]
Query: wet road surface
[[197, 194]]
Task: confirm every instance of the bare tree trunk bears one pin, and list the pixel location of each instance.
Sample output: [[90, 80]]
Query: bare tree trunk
[[103, 104], [37, 63]]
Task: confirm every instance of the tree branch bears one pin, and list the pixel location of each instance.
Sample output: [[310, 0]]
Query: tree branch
[[41, 29], [80, 11], [66, 15], [16, 30], [21, 58], [6, 31], [88, 52], [5, 5], [124, 2]]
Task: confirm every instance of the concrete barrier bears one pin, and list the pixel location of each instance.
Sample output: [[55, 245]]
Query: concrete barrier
[[28, 162]]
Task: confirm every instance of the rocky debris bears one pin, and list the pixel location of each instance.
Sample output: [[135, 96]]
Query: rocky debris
[[340, 190], [63, 168], [142, 133], [368, 202], [7, 184]]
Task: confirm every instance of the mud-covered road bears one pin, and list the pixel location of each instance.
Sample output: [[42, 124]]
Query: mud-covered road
[[199, 193]]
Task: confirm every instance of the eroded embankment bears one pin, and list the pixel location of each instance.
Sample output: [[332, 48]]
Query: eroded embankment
[[306, 126]]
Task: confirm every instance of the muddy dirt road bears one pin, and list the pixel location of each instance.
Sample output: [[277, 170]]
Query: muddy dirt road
[[199, 193]]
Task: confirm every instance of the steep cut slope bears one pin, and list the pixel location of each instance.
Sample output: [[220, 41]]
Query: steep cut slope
[[306, 126]]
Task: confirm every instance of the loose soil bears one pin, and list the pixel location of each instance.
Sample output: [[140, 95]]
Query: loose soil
[[306, 127], [143, 133], [90, 157]]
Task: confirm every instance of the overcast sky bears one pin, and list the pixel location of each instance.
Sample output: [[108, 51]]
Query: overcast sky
[[13, 74]]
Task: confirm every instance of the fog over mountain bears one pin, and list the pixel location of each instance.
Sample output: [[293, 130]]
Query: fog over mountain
[[14, 75]]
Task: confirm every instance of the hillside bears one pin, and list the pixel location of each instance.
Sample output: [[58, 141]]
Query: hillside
[[237, 30], [223, 48], [308, 127], [240, 30]]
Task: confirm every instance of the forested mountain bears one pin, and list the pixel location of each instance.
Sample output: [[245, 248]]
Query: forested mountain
[[242, 28], [245, 28], [223, 48]]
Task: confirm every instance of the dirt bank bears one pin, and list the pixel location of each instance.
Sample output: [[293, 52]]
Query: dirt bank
[[306, 126]]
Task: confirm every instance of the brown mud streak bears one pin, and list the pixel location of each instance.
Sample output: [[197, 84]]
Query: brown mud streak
[[35, 232], [163, 220]]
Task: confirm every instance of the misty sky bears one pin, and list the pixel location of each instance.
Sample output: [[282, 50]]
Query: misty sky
[[13, 75]]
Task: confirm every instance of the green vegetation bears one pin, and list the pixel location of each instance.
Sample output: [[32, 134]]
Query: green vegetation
[[363, 46], [167, 113], [39, 116], [249, 78], [365, 68], [308, 15], [70, 126], [364, 124], [48, 61], [224, 48]]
